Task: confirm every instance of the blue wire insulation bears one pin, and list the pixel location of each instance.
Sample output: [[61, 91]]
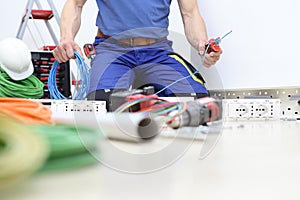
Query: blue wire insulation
[[83, 86], [226, 34]]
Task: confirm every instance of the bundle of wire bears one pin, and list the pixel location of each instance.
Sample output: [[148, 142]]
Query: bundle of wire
[[83, 85], [30, 87], [25, 111], [159, 107]]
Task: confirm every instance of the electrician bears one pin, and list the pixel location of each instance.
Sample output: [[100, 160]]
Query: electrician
[[132, 49]]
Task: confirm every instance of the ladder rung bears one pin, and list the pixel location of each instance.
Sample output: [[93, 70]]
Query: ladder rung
[[48, 48], [41, 14]]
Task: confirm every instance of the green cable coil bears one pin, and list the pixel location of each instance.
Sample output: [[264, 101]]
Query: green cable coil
[[30, 87], [29, 149], [70, 146]]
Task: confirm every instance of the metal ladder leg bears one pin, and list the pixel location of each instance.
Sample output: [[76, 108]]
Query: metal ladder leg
[[47, 22], [25, 19]]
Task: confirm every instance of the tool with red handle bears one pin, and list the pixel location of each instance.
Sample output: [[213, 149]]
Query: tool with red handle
[[213, 45], [89, 50]]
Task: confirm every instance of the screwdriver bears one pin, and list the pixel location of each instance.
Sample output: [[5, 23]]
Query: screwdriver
[[213, 45]]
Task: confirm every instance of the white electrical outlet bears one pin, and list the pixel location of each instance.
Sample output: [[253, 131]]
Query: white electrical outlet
[[251, 109], [238, 110]]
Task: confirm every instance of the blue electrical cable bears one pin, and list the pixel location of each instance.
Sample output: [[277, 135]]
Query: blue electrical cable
[[83, 86]]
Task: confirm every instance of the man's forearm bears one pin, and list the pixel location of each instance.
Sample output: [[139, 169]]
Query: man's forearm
[[194, 25], [71, 19]]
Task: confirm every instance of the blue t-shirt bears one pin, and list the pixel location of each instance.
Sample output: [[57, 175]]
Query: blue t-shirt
[[134, 18]]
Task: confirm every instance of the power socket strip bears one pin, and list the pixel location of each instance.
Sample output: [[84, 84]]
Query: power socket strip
[[289, 97], [71, 106], [251, 109], [233, 109]]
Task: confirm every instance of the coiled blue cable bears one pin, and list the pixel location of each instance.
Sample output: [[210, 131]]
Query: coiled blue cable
[[84, 73]]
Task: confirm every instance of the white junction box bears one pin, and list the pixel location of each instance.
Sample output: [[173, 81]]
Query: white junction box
[[251, 109]]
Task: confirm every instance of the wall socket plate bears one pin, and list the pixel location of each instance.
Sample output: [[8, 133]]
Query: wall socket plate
[[289, 98], [251, 109]]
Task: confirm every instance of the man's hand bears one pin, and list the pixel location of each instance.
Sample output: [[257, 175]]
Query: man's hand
[[65, 51], [69, 25], [210, 58]]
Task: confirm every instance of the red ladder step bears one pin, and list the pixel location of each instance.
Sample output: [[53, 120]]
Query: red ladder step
[[41, 14]]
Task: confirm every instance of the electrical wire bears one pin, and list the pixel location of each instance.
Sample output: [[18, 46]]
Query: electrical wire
[[196, 71], [159, 107], [25, 111], [225, 35], [185, 77], [30, 87], [83, 86]]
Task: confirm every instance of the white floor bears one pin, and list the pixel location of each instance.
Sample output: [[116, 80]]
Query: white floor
[[247, 160]]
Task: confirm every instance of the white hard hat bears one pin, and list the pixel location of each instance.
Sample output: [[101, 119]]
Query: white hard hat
[[15, 58]]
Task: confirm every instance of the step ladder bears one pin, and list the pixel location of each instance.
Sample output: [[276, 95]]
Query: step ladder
[[39, 14]]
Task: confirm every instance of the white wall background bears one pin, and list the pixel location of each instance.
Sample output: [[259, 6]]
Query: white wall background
[[261, 52]]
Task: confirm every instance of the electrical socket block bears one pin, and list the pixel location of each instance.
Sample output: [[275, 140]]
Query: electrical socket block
[[289, 97], [251, 109], [71, 106]]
